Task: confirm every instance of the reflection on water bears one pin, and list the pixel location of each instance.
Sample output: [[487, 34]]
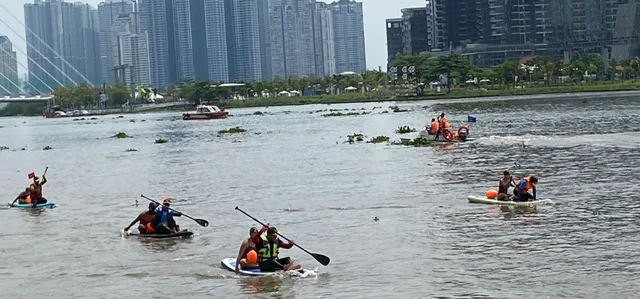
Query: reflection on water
[[427, 242]]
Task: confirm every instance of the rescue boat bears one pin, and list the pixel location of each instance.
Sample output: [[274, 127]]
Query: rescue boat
[[206, 112]]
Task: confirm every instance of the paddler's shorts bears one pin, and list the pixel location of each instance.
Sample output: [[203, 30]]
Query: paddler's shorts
[[274, 265]]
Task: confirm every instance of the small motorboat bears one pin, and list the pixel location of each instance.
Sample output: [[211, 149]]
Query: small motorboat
[[447, 136], [206, 112]]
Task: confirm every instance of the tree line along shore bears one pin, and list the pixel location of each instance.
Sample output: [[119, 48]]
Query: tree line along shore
[[428, 77]]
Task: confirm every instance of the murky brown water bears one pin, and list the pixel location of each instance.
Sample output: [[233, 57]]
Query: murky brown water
[[298, 175]]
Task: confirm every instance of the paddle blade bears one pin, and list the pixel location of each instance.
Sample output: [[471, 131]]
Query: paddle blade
[[322, 259], [202, 222]]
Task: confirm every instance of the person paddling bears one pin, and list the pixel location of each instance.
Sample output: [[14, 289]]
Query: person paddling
[[164, 223], [242, 262], [22, 197], [35, 196], [268, 247], [522, 189], [145, 218]]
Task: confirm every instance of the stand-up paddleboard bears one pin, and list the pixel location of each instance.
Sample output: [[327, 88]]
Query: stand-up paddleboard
[[230, 264], [48, 205], [488, 201], [183, 234]]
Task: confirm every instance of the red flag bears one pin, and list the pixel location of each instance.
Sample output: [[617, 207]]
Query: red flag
[[32, 175]]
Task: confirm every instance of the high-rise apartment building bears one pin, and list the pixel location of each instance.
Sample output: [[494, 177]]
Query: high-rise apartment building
[[61, 43], [243, 36], [108, 12], [215, 37], [132, 51], [348, 30], [291, 33], [265, 40], [157, 23], [9, 83], [418, 30], [323, 39]]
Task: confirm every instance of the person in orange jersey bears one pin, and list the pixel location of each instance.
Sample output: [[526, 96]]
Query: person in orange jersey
[[442, 122], [145, 219]]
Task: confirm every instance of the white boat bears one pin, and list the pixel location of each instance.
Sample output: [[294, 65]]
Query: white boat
[[485, 200], [230, 264]]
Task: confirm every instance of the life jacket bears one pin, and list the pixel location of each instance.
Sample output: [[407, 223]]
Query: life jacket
[[434, 127], [446, 124], [162, 217], [527, 186], [36, 191], [442, 121], [267, 251], [27, 200]]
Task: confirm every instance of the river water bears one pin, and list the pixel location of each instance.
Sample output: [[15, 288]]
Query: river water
[[292, 169]]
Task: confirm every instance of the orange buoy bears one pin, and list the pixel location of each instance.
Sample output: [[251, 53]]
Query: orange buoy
[[252, 257], [491, 194]]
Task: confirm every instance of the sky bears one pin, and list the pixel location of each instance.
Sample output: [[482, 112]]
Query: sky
[[375, 13]]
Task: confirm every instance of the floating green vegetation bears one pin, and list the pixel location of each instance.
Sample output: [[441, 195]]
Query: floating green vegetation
[[417, 142], [379, 139], [233, 130], [3, 148], [395, 108], [355, 137], [160, 140], [405, 130], [121, 135], [345, 114], [46, 148]]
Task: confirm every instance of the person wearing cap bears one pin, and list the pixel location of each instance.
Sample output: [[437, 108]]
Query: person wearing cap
[[164, 223], [247, 246], [268, 248], [35, 189], [526, 189], [145, 218], [505, 183]]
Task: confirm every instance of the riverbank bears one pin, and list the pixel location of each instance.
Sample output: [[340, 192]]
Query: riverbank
[[454, 94]]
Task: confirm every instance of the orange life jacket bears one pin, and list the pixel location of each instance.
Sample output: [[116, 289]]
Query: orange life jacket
[[442, 121], [446, 124], [27, 200], [150, 229], [434, 127], [528, 185]]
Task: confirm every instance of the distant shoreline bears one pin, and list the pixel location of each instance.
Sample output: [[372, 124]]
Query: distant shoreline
[[464, 95]]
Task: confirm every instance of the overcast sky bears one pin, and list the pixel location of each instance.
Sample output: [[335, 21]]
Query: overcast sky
[[375, 12]]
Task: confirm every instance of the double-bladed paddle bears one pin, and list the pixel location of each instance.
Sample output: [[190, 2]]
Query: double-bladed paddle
[[322, 259], [202, 222]]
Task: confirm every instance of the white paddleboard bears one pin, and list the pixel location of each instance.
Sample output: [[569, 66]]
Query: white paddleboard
[[230, 264], [488, 201]]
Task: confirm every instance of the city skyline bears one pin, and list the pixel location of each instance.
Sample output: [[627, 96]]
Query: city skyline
[[374, 16]]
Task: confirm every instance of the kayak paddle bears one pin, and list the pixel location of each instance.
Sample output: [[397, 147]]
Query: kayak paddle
[[202, 222], [322, 259], [45, 173]]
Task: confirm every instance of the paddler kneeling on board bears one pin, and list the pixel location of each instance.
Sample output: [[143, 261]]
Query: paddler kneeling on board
[[22, 197], [35, 196], [268, 246], [164, 223], [247, 255], [145, 218], [526, 189], [503, 188]]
